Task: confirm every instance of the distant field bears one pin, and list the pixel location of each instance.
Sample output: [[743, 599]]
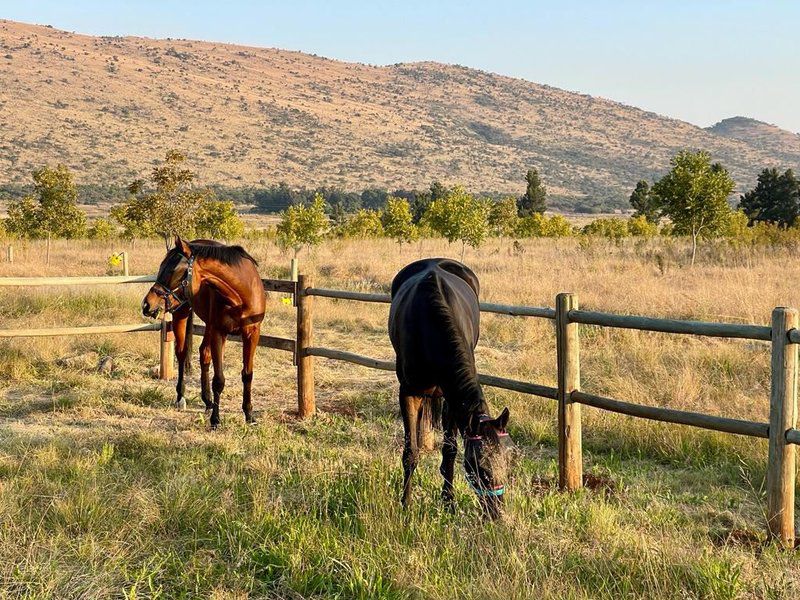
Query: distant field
[[106, 491]]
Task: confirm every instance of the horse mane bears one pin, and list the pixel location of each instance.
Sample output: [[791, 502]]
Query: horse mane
[[229, 255], [465, 375]]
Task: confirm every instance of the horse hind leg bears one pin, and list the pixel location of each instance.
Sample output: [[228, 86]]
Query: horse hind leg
[[205, 367], [409, 407], [449, 452]]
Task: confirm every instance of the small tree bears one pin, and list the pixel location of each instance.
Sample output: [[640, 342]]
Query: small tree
[[219, 220], [398, 222], [171, 209], [303, 225], [694, 195], [775, 199], [52, 210], [460, 217], [644, 203], [503, 217], [362, 225], [535, 198]]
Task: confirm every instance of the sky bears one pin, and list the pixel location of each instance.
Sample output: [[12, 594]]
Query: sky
[[699, 61]]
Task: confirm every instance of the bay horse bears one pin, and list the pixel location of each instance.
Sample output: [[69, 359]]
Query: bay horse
[[222, 285], [434, 323]]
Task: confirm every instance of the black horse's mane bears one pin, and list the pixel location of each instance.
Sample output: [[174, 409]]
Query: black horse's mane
[[229, 255]]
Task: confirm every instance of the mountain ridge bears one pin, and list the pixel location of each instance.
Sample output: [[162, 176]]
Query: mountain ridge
[[110, 107]]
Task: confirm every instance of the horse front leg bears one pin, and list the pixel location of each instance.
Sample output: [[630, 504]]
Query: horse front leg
[[250, 338], [409, 408], [218, 382], [179, 328], [449, 451]]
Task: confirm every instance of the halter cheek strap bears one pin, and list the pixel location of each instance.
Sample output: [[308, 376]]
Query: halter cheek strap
[[185, 286]]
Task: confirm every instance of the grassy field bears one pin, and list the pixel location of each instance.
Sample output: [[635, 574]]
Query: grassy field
[[106, 491]]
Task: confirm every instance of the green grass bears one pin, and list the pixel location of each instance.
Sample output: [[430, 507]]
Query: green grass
[[101, 508]]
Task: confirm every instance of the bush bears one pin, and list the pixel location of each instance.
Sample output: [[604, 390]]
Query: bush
[[219, 220], [611, 228], [101, 229], [641, 227], [537, 225], [362, 225]]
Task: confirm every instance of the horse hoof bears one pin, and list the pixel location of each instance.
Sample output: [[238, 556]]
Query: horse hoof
[[252, 422], [180, 403]]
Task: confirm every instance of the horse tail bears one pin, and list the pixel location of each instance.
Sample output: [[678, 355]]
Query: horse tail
[[437, 404], [187, 359]]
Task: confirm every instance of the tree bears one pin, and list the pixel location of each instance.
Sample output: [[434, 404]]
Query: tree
[[397, 221], [52, 210], [219, 220], [303, 225], [171, 209], [535, 198], [459, 217], [775, 199], [644, 203], [362, 225], [694, 195], [503, 217]]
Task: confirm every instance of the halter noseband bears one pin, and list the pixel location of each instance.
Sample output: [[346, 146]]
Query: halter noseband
[[483, 492], [185, 286]]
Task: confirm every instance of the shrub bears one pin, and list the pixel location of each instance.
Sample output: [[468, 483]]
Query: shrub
[[611, 228], [101, 229], [640, 226]]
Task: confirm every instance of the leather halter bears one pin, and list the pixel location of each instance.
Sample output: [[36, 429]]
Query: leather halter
[[185, 287]]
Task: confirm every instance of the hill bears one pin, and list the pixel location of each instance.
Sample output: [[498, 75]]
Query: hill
[[761, 135], [109, 107]]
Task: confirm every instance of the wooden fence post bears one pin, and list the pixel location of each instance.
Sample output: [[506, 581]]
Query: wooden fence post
[[293, 270], [167, 350], [125, 264], [10, 253], [570, 458], [306, 404], [782, 417]]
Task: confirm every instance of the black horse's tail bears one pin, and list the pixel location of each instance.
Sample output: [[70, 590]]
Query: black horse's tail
[[437, 403], [187, 360]]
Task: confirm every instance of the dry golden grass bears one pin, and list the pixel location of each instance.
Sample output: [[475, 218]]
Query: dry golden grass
[[105, 490]]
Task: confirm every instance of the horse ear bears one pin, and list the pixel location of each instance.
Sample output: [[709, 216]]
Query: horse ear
[[502, 420], [181, 245]]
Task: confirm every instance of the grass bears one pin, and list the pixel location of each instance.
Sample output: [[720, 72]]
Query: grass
[[105, 491]]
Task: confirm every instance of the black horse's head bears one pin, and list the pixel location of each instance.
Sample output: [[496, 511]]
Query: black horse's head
[[486, 460], [168, 293]]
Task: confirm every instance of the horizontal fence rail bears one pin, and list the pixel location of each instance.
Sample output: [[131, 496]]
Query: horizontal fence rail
[[265, 341], [670, 415], [728, 330], [86, 330], [793, 436], [502, 309], [389, 365], [101, 280]]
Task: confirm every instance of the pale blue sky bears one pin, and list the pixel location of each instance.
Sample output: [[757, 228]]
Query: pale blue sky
[[699, 61]]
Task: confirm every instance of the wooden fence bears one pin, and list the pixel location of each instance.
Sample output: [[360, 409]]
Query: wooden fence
[[783, 335], [780, 430], [163, 326]]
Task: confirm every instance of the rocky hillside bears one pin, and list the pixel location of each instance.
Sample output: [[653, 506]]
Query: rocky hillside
[[761, 135], [110, 106]]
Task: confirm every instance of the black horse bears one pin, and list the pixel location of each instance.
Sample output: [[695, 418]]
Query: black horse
[[434, 326]]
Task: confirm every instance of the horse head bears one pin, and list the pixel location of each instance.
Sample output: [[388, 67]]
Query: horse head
[[486, 460], [170, 291]]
